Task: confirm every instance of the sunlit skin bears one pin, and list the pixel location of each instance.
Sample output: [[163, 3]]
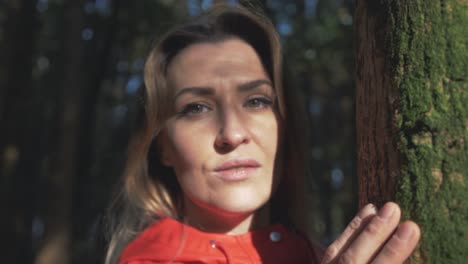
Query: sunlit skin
[[225, 115], [223, 137]]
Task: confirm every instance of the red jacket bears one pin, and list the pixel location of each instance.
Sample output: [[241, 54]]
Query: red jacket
[[169, 241]]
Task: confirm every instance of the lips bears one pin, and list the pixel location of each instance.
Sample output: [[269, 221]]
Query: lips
[[237, 170]]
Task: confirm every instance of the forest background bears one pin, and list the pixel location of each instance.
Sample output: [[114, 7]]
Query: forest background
[[70, 71]]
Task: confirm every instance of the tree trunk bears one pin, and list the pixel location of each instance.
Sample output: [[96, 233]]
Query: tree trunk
[[412, 119], [56, 246], [18, 141]]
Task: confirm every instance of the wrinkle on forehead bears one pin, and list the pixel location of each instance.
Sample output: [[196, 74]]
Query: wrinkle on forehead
[[225, 59]]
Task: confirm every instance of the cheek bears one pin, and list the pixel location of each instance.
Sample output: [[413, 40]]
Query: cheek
[[186, 148], [188, 155], [267, 133], [270, 140]]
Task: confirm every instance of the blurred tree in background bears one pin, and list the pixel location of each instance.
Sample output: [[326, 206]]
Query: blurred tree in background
[[70, 73]]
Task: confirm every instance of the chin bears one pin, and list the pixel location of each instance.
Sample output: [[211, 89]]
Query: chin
[[241, 202]]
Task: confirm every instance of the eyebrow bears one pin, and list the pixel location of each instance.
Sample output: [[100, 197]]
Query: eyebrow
[[200, 90], [253, 84]]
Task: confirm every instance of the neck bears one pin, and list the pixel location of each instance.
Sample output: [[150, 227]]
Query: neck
[[225, 222]]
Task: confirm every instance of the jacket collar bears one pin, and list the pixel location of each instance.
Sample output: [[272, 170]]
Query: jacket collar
[[170, 240]]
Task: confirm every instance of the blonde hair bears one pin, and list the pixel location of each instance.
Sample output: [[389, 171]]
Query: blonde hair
[[150, 190]]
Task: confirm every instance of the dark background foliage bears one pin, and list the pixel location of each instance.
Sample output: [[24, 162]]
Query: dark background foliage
[[70, 71]]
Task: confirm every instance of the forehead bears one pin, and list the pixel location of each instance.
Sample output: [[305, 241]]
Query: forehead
[[227, 60]]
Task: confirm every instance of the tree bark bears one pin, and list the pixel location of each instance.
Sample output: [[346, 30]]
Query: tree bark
[[376, 99], [412, 119]]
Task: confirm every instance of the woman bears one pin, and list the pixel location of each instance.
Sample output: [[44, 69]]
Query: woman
[[214, 173]]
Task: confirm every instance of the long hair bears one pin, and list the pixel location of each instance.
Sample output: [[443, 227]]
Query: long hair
[[150, 190]]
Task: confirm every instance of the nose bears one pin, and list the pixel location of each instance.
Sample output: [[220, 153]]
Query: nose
[[232, 131]]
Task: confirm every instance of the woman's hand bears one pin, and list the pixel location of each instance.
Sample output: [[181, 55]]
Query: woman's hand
[[371, 237]]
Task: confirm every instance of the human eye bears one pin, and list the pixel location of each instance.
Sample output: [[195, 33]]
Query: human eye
[[193, 109], [259, 102]]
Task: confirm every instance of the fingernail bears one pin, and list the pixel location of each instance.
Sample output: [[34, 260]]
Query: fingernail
[[372, 208], [404, 232], [369, 209], [386, 211]]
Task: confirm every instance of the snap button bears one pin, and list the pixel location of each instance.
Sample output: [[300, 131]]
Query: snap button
[[275, 236], [213, 243]]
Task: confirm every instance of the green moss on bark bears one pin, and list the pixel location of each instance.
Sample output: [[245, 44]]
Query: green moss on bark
[[428, 47]]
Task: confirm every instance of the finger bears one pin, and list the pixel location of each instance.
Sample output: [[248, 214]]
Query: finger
[[401, 245], [373, 236], [351, 231]]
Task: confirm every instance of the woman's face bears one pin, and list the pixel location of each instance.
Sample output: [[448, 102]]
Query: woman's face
[[224, 136]]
